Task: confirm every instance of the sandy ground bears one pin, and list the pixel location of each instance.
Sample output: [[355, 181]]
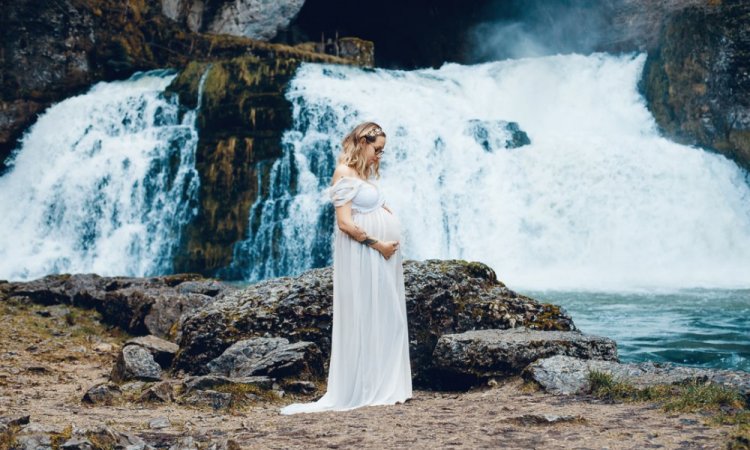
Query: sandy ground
[[48, 363]]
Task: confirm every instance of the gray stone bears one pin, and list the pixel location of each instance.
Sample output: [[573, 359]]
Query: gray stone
[[102, 394], [77, 444], [274, 357], [158, 423], [210, 288], [214, 399], [133, 386], [545, 419], [135, 362], [184, 443], [257, 19], [568, 375], [35, 441], [300, 386], [202, 382], [224, 444], [162, 350], [466, 358], [14, 421], [107, 437], [160, 392]]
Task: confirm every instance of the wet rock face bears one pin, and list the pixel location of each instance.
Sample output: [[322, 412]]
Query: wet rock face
[[442, 297], [104, 393], [635, 25], [241, 121], [697, 81], [57, 57]]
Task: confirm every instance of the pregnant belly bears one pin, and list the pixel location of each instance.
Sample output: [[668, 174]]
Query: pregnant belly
[[380, 224]]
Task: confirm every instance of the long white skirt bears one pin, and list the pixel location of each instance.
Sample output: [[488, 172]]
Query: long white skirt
[[370, 343]]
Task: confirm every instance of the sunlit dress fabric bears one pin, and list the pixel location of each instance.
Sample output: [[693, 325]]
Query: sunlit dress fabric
[[370, 343]]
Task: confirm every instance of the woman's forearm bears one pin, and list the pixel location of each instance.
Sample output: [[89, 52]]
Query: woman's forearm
[[353, 231]]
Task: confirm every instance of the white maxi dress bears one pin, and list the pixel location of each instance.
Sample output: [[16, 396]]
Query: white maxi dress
[[370, 342]]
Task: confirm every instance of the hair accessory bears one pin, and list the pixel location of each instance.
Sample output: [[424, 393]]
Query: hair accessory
[[374, 132]]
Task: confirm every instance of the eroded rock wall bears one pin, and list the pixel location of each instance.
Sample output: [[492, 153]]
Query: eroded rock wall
[[697, 82]]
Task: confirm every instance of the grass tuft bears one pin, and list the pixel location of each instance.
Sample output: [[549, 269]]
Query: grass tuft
[[8, 436], [727, 405]]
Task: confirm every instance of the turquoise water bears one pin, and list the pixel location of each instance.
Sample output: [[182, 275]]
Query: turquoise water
[[696, 327]]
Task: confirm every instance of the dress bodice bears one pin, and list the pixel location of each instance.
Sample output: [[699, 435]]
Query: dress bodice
[[364, 195]]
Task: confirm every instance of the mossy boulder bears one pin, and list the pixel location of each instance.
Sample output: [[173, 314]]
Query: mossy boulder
[[442, 296]]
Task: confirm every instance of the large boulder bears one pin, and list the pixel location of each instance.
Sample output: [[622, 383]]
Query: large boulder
[[150, 310], [441, 297], [135, 363], [569, 375], [463, 359], [163, 351]]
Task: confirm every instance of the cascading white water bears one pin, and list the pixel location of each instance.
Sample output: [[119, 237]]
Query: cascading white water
[[103, 183], [598, 200]]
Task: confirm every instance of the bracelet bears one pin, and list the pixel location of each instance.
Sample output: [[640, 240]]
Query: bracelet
[[369, 241]]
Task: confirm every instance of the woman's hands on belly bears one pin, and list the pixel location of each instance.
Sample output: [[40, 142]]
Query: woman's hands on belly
[[386, 248]]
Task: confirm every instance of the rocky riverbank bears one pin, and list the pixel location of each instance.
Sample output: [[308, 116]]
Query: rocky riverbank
[[186, 362]]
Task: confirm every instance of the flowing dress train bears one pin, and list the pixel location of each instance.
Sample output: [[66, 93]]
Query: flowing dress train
[[369, 362]]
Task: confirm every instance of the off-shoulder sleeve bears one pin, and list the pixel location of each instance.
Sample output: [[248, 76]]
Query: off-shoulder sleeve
[[344, 190]]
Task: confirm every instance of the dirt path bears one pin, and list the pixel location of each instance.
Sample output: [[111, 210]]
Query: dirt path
[[48, 363]]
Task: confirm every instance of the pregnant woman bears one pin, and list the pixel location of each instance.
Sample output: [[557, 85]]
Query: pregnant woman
[[370, 343]]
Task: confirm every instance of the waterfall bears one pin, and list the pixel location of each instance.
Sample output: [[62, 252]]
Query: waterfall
[[103, 182], [597, 200]]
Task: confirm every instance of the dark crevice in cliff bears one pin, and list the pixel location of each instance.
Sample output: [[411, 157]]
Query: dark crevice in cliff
[[422, 33]]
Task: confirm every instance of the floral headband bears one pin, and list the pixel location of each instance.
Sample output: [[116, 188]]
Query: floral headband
[[375, 132]]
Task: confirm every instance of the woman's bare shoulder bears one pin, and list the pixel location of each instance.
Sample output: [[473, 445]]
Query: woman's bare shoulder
[[342, 170]]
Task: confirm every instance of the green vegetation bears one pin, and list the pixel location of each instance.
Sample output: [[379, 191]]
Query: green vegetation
[[239, 394], [8, 436], [725, 406]]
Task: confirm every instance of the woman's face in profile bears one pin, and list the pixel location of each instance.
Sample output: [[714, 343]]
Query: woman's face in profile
[[374, 150]]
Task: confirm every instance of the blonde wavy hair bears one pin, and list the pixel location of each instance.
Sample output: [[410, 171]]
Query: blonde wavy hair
[[353, 145]]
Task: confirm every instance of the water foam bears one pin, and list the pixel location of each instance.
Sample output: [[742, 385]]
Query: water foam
[[598, 200], [103, 183]]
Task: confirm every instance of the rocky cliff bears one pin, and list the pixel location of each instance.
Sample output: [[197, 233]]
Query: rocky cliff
[[697, 81], [54, 50], [242, 118], [255, 19]]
